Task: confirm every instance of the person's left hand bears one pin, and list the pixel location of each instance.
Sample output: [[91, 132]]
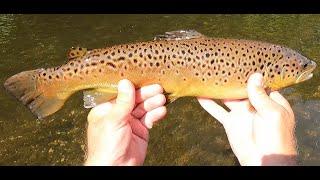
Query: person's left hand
[[118, 131]]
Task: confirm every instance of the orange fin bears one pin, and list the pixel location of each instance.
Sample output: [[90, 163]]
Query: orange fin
[[170, 98], [24, 86]]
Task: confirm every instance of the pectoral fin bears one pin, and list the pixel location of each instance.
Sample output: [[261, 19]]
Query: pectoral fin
[[92, 98], [170, 98]]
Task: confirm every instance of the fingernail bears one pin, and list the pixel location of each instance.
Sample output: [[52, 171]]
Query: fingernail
[[150, 126], [258, 81], [124, 86]]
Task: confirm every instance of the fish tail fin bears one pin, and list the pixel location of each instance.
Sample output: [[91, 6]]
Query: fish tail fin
[[25, 87]]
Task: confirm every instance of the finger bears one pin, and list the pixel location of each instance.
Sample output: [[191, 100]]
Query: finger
[[148, 105], [153, 116], [258, 96], [148, 91], [125, 100], [237, 105], [278, 98], [99, 112], [139, 129], [214, 109]]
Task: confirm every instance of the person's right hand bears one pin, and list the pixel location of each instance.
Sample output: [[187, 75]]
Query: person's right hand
[[260, 129]]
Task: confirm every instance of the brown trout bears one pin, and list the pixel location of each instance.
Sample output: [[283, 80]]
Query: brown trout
[[184, 63]]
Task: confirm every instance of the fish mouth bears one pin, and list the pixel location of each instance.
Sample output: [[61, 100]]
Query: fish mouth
[[307, 74]]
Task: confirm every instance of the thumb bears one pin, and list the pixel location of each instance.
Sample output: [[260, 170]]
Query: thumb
[[258, 96], [125, 100]]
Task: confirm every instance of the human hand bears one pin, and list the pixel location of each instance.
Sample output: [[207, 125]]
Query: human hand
[[260, 129], [118, 131]]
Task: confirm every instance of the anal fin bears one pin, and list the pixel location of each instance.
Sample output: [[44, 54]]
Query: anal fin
[[94, 97]]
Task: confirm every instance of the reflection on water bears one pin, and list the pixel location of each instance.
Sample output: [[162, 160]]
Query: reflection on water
[[188, 136]]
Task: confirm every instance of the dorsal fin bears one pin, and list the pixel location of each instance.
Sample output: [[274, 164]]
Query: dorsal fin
[[76, 52], [179, 35]]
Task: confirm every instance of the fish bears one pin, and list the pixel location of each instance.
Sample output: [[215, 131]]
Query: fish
[[183, 62]]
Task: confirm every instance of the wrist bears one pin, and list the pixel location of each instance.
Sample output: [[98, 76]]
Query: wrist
[[251, 159], [96, 162], [279, 160]]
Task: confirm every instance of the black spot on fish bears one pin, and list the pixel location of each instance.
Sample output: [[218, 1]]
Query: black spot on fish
[[121, 58], [111, 64]]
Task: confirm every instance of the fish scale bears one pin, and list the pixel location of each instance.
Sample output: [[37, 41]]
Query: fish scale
[[193, 65]]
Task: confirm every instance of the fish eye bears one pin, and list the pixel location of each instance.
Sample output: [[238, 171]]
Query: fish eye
[[305, 65]]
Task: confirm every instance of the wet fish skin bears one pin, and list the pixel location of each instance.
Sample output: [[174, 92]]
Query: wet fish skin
[[206, 67]]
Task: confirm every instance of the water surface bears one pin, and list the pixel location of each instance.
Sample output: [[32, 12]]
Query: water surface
[[188, 135]]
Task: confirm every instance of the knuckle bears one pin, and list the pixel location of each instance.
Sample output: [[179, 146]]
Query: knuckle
[[162, 99], [158, 88]]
